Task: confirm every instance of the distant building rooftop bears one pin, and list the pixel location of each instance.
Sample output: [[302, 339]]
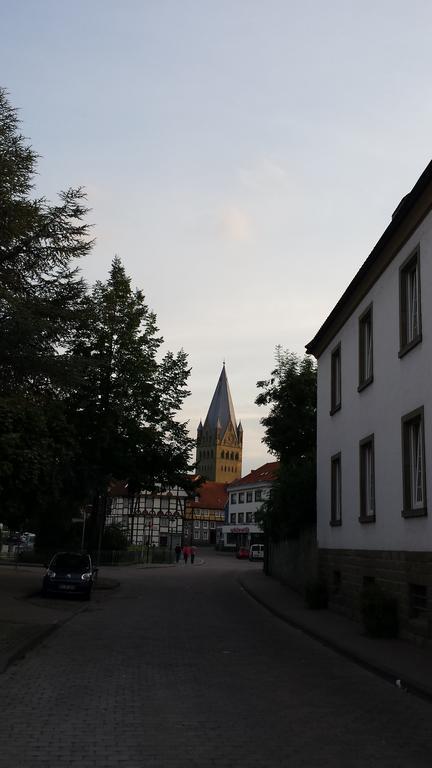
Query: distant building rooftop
[[265, 474]]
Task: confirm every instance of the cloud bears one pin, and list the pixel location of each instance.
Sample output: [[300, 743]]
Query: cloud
[[236, 224]]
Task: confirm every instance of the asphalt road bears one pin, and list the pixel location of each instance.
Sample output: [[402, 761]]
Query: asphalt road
[[180, 667]]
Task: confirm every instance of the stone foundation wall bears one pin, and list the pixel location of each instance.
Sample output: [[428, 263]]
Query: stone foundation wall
[[347, 571], [294, 562]]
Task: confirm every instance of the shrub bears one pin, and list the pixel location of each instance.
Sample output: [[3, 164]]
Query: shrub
[[114, 538], [317, 594], [379, 612]]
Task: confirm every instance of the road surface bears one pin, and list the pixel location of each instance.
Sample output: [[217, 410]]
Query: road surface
[[180, 667]]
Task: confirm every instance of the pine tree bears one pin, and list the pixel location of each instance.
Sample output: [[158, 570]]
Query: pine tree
[[39, 293]]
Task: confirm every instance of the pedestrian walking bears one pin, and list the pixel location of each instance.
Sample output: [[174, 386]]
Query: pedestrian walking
[[192, 554], [186, 553], [177, 551]]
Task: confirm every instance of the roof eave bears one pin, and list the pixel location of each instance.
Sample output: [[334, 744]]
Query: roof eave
[[407, 217]]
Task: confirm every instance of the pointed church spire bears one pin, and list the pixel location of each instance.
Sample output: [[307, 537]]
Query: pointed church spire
[[221, 407]]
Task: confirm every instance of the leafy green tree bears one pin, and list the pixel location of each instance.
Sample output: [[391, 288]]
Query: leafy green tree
[[40, 291], [290, 434], [127, 401]]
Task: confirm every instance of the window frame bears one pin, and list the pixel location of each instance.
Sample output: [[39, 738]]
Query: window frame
[[365, 321], [233, 499], [249, 497], [335, 520], [365, 515], [241, 497], [411, 509], [258, 494], [336, 379], [406, 268]]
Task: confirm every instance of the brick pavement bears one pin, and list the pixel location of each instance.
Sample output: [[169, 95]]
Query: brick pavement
[[25, 617], [180, 667]]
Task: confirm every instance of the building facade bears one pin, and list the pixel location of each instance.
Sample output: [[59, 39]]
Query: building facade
[[204, 513], [220, 438], [246, 495], [374, 443], [148, 519]]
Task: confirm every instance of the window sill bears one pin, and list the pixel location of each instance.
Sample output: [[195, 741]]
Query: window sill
[[407, 347], [367, 519], [335, 523], [335, 409], [420, 512], [364, 384]]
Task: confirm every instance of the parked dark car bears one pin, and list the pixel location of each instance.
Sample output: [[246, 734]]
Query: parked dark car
[[69, 573]]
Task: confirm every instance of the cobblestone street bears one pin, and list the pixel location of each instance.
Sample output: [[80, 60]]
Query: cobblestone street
[[180, 667]]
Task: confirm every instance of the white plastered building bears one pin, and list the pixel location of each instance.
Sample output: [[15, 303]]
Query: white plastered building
[[374, 443]]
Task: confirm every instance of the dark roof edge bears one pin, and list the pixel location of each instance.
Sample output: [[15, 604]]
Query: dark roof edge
[[317, 345]]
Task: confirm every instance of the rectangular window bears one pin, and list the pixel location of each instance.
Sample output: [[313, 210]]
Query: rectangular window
[[233, 498], [365, 349], [205, 535], [197, 524], [212, 526], [248, 497], [241, 498], [336, 390], [258, 495], [205, 524], [367, 480], [249, 517], [241, 517], [336, 491], [413, 456], [409, 303], [233, 518]]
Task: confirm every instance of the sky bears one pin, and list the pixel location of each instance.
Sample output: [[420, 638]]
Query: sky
[[242, 157]]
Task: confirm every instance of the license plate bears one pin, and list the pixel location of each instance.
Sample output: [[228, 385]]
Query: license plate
[[69, 587]]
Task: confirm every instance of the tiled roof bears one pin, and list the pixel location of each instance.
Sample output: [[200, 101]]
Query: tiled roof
[[210, 495], [265, 474]]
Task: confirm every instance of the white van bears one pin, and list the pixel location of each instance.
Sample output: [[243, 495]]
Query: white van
[[256, 552]]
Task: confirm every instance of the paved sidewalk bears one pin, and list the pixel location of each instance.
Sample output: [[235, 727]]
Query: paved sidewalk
[[402, 663], [25, 617]]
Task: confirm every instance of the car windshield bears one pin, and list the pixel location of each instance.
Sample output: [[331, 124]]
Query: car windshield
[[72, 562]]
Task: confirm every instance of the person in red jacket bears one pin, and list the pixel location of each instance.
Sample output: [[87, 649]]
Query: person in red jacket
[[186, 553]]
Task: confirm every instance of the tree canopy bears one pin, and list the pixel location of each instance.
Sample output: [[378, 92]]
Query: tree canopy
[[290, 434], [85, 394]]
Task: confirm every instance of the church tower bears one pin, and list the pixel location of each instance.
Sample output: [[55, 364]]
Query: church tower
[[220, 440]]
